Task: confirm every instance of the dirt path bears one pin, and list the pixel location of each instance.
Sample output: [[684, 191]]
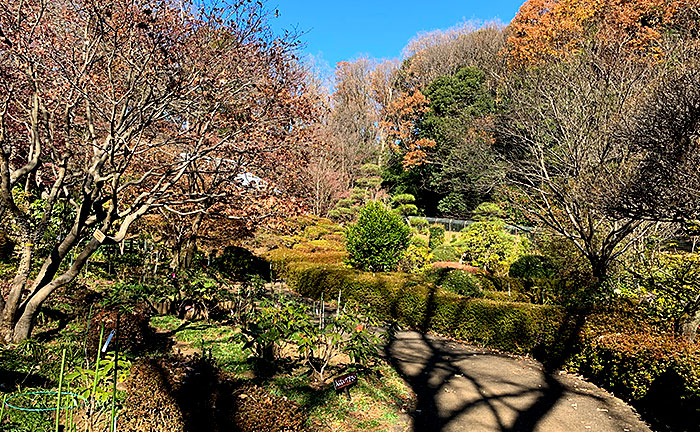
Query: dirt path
[[465, 388]]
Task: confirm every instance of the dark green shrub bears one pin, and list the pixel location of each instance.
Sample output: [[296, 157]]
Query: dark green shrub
[[445, 253], [437, 235], [532, 267], [240, 264], [378, 240], [462, 283]]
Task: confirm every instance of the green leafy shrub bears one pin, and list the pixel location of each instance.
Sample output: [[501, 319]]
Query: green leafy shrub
[[671, 290], [488, 211], [404, 204], [317, 340], [347, 332], [420, 241], [489, 246], [418, 222], [532, 267], [462, 283], [446, 253], [406, 210], [240, 264], [402, 199], [437, 235], [378, 240], [658, 374], [273, 322], [417, 259]]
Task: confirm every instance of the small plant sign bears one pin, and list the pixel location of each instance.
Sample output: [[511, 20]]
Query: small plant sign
[[345, 382]]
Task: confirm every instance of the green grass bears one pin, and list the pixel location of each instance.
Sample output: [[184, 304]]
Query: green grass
[[20, 421], [34, 366], [221, 340], [375, 405]]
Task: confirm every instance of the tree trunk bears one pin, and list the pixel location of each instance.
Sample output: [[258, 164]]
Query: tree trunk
[[9, 311], [599, 268], [689, 327], [17, 323], [186, 248], [183, 255]]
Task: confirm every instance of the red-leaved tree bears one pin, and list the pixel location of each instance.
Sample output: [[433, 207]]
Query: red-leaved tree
[[106, 108]]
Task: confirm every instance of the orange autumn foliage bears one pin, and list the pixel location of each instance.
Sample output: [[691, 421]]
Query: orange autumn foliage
[[545, 30], [401, 128]]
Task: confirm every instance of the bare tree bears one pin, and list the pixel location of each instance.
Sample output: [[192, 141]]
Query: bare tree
[[104, 108], [560, 132], [666, 131], [443, 52], [352, 121]]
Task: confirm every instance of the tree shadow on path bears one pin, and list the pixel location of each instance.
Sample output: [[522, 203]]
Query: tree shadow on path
[[455, 384], [434, 370]]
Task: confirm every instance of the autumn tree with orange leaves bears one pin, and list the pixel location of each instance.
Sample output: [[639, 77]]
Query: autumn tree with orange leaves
[[402, 128], [546, 30], [108, 109]]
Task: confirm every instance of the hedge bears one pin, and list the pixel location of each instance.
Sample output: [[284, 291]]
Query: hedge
[[515, 327], [658, 375]]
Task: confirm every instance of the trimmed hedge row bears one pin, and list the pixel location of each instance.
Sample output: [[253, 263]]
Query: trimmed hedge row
[[515, 327], [658, 375]]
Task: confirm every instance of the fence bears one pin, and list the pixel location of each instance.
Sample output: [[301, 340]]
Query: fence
[[459, 224]]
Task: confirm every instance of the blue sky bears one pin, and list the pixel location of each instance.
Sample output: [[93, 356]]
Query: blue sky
[[345, 30]]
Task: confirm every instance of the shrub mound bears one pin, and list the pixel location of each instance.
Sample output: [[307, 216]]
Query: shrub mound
[[462, 283], [658, 374], [532, 267], [377, 241], [149, 405], [446, 253], [135, 334], [257, 410]]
